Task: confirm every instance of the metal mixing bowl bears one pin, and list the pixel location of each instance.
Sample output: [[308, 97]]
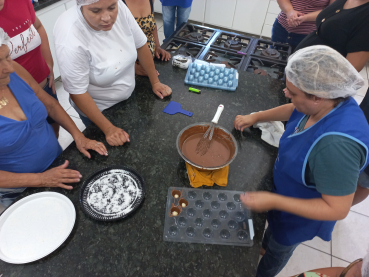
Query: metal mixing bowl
[[181, 139]]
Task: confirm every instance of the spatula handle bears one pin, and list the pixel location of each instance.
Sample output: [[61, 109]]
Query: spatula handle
[[217, 114]]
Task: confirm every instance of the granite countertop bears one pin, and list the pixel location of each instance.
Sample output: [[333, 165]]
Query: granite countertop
[[134, 246], [43, 4]]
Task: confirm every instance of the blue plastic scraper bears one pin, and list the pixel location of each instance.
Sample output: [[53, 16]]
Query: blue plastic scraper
[[174, 107]]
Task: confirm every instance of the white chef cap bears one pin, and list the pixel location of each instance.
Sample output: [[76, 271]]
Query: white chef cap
[[322, 71], [4, 38], [86, 2]]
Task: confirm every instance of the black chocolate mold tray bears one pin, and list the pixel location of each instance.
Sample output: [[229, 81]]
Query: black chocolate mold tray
[[212, 217]]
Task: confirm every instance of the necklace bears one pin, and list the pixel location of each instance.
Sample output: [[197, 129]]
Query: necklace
[[3, 101]]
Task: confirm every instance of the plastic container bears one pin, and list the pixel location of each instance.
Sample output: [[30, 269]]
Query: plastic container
[[212, 76], [210, 216]]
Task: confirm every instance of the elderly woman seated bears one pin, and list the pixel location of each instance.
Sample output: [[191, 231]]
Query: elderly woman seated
[[28, 143], [321, 154]]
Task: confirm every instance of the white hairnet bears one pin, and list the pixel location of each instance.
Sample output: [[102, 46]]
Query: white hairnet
[[4, 38], [86, 2], [322, 71]]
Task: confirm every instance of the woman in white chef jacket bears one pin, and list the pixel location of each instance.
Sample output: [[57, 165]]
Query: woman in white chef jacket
[[97, 43]]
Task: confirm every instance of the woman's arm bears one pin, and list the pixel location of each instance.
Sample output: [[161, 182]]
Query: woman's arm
[[360, 195], [114, 135], [45, 51], [145, 58], [327, 208], [56, 112], [309, 16], [165, 56], [281, 113], [55, 177], [358, 59]]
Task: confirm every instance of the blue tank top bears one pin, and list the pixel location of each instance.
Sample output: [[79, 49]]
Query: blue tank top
[[289, 169], [28, 146]]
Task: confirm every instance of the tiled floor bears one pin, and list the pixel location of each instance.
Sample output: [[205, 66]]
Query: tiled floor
[[350, 238]]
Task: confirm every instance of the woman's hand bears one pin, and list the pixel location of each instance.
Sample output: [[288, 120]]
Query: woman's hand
[[292, 18], [116, 136], [83, 144], [244, 121], [259, 201], [51, 80], [57, 176], [161, 90], [165, 56]]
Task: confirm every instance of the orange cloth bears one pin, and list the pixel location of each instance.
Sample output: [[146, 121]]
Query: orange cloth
[[200, 177]]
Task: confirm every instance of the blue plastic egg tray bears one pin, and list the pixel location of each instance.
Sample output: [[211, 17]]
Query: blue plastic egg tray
[[212, 76], [207, 216]]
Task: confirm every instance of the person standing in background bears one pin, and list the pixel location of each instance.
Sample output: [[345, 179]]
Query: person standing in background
[[143, 12], [183, 8], [296, 20], [29, 45]]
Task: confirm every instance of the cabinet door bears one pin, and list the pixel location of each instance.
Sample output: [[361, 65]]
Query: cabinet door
[[250, 15], [157, 6], [48, 20], [198, 10], [70, 4], [221, 12]]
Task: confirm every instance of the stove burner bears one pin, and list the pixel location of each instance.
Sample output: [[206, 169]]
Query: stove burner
[[233, 44], [270, 52], [184, 50], [260, 72], [195, 33]]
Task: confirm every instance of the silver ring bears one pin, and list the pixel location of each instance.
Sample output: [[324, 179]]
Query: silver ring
[[97, 143]]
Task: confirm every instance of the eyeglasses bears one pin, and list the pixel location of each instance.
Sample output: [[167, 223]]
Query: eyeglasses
[[344, 272]]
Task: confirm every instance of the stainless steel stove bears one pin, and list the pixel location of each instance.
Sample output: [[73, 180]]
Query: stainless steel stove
[[185, 48], [258, 56]]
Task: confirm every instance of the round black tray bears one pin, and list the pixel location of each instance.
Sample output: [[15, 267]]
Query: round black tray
[[92, 178]]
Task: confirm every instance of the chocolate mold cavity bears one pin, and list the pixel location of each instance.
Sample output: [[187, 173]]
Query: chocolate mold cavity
[[190, 232], [199, 222], [231, 206], [173, 231], [176, 194], [175, 211], [199, 204], [215, 223], [182, 221], [207, 233], [242, 235], [225, 234], [191, 212], [232, 224], [206, 213], [215, 205], [206, 195], [239, 216], [192, 194], [222, 196], [236, 198], [223, 214], [183, 203]]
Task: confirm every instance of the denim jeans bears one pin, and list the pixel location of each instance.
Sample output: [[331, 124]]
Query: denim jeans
[[280, 34], [169, 16], [276, 256], [51, 93]]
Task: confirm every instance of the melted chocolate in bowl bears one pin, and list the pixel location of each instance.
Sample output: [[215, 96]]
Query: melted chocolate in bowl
[[222, 148]]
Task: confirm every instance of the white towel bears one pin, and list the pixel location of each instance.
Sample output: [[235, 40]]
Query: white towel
[[271, 131]]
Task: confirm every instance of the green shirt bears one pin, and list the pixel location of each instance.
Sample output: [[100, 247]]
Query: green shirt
[[334, 164]]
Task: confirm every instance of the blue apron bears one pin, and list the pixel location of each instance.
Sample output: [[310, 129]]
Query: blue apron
[[289, 169]]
